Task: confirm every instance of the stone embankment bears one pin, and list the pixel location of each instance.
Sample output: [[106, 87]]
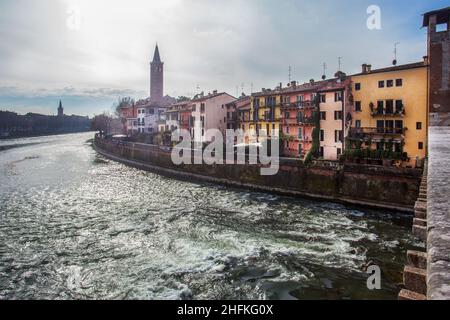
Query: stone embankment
[[427, 275], [375, 186]]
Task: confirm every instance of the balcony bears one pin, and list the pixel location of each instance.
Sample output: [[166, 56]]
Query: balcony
[[398, 111], [298, 105], [307, 121], [365, 133], [291, 121]]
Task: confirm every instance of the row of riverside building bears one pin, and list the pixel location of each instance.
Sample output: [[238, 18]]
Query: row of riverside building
[[376, 114]]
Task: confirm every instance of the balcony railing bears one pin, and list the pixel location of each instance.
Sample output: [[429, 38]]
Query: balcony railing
[[378, 112], [362, 133], [298, 105], [306, 121]]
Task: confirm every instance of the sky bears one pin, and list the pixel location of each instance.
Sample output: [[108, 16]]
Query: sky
[[88, 53]]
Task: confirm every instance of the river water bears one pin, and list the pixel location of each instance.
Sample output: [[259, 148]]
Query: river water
[[74, 225]]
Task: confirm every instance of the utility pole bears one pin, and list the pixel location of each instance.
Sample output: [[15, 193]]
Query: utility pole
[[324, 76], [290, 74]]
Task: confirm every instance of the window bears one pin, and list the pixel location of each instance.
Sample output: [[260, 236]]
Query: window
[[390, 83], [323, 98], [380, 126], [381, 84], [389, 126], [322, 135], [398, 106], [399, 126], [357, 86], [256, 103], [338, 96], [287, 130], [358, 123], [287, 115], [358, 106], [299, 98], [202, 107], [321, 152], [338, 115], [419, 125], [399, 82], [339, 151], [380, 107], [389, 106], [441, 27], [337, 135], [420, 146], [323, 115], [270, 101]]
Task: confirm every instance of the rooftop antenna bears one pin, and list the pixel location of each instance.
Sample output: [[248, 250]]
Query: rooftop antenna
[[237, 91], [324, 71], [198, 88], [339, 63], [395, 53], [290, 73], [242, 87], [251, 88]]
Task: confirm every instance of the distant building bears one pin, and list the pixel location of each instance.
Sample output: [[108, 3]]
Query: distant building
[[148, 115], [60, 109], [300, 106], [211, 113], [333, 105]]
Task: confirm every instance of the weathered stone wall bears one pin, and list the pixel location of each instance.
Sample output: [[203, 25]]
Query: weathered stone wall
[[438, 214], [383, 187]]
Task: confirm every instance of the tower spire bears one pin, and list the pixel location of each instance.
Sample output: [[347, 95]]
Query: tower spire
[[156, 57]]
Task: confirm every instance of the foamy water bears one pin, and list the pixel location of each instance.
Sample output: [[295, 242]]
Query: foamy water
[[75, 225]]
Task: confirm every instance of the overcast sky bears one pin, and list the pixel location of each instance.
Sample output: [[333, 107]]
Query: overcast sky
[[90, 52]]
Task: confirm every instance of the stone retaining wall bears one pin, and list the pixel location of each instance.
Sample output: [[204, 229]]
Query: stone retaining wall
[[376, 186]]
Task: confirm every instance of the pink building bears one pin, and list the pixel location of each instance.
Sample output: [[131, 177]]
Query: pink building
[[298, 110]]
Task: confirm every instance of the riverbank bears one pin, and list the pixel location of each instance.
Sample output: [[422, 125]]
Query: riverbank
[[364, 185], [43, 134]]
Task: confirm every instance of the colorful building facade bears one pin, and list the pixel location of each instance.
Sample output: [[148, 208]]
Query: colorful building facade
[[390, 112], [298, 111]]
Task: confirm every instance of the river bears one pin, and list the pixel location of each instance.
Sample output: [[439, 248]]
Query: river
[[74, 225]]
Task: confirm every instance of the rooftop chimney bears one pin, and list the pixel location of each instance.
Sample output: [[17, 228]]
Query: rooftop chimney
[[425, 60], [369, 68], [294, 83], [364, 68], [215, 92], [311, 81]]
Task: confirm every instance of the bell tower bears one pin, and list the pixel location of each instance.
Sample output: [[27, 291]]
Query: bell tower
[[438, 58], [156, 77]]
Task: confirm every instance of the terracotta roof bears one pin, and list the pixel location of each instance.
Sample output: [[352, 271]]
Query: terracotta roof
[[394, 68], [209, 96]]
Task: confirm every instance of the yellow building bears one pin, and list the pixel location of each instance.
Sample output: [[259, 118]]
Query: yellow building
[[390, 112], [265, 112]]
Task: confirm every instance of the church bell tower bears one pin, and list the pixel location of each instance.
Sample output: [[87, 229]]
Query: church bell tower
[[156, 77]]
